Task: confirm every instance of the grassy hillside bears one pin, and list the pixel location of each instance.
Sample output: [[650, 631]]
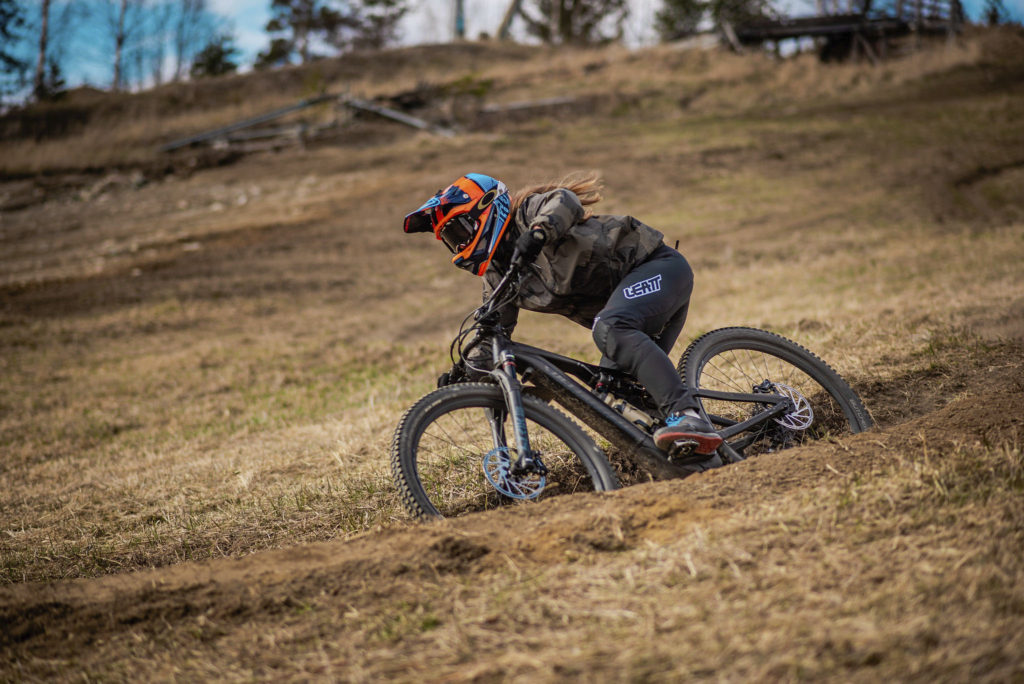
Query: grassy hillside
[[200, 371]]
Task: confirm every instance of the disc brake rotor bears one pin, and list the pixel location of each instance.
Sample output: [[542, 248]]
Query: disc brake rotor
[[497, 469], [801, 417]]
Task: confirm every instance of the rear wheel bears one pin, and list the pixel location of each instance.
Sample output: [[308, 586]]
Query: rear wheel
[[451, 450], [746, 360]]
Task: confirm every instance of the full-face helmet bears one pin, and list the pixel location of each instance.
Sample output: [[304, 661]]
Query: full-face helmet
[[469, 217]]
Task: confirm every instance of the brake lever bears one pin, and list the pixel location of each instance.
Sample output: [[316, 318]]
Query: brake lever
[[483, 313], [517, 261]]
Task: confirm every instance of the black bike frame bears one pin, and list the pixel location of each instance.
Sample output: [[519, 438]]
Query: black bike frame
[[553, 374]]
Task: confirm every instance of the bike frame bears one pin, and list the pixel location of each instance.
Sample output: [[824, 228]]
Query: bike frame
[[571, 384]]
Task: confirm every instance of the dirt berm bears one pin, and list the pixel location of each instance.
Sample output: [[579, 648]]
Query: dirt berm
[[504, 586]]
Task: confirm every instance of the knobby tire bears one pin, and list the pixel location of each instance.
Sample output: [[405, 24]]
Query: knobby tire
[[741, 346], [591, 470]]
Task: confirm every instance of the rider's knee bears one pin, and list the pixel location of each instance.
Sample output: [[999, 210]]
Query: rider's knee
[[600, 334], [608, 332]]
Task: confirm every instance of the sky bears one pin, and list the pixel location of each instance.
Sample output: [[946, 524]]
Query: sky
[[431, 21], [428, 21]]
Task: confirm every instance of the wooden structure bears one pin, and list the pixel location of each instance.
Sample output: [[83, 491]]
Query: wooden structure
[[854, 33], [505, 29], [245, 134]]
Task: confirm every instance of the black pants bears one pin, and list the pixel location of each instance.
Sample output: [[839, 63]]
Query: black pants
[[641, 321]]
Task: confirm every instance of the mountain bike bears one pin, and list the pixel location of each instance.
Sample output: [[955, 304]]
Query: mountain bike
[[490, 436]]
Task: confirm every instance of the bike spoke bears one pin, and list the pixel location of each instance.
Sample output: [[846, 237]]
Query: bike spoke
[[743, 369], [451, 455], [448, 439], [723, 379], [734, 362]]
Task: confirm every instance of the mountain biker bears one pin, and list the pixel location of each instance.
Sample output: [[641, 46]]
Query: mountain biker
[[612, 274]]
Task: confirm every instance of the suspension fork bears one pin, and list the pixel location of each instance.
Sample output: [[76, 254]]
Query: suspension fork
[[505, 373], [496, 417]]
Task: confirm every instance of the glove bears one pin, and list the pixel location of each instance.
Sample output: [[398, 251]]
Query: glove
[[529, 244]]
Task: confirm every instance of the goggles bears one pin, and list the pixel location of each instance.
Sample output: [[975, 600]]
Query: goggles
[[457, 233]]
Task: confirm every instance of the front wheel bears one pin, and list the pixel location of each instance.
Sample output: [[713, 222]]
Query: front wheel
[[448, 451], [746, 361]]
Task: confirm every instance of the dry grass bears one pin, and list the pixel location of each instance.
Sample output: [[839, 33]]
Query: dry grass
[[212, 365], [882, 560]]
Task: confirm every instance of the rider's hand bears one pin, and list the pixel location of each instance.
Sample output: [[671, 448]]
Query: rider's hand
[[529, 244]]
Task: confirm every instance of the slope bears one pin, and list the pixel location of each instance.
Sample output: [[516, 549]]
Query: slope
[[201, 372]]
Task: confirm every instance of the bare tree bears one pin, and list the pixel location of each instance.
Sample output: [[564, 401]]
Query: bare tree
[[37, 84], [47, 30], [162, 16], [140, 31], [119, 44], [193, 27], [123, 22], [65, 21]]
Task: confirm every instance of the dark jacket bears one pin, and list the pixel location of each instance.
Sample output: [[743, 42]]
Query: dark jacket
[[581, 261]]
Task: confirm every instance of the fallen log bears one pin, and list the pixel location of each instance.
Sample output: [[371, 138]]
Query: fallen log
[[246, 123], [395, 115], [226, 135]]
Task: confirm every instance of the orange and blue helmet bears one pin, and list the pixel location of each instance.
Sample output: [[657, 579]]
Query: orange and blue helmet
[[469, 217]]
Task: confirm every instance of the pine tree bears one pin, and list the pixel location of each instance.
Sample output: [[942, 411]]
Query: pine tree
[[680, 18], [995, 12], [379, 23], [574, 21], [277, 54], [13, 69], [296, 25], [216, 59]]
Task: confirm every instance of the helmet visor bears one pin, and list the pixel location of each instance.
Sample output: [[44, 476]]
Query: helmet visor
[[457, 233]]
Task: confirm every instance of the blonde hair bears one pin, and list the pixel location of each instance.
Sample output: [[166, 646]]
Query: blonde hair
[[586, 186]]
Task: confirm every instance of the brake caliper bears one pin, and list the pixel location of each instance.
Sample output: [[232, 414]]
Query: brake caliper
[[798, 416]]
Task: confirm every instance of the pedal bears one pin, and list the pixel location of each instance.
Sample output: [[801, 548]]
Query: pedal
[[682, 449]]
